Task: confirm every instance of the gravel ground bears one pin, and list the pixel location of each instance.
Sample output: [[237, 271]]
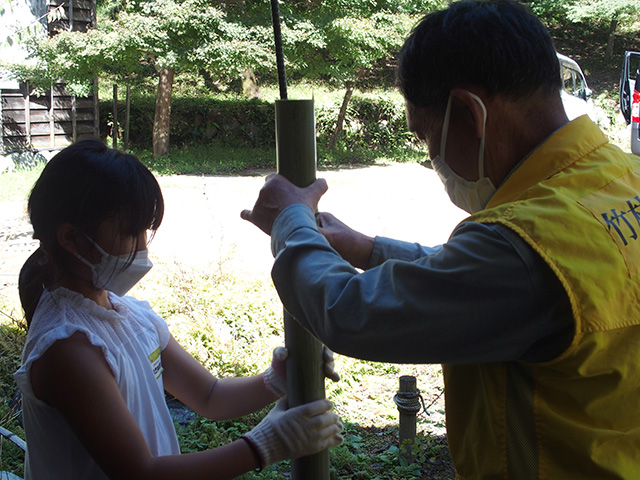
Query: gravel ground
[[202, 222], [203, 213]]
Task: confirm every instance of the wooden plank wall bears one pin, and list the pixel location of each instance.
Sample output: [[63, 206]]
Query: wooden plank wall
[[53, 120], [79, 15]]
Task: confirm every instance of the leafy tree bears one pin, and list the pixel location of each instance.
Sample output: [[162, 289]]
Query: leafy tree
[[141, 38], [550, 12], [610, 12], [356, 44], [339, 40], [345, 40], [185, 35]]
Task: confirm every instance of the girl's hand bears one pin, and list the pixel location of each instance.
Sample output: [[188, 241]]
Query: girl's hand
[[275, 377], [296, 432]]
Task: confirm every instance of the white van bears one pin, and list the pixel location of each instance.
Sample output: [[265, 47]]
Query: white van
[[575, 93]]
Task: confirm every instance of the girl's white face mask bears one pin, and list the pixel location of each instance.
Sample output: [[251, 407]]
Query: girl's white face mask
[[112, 272], [469, 196]]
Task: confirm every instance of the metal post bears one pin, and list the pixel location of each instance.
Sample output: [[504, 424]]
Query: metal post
[[127, 116], [96, 108], [27, 112], [71, 15], [52, 112], [408, 406], [74, 119], [277, 36], [114, 130]]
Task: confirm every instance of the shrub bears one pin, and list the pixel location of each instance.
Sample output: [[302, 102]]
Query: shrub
[[374, 122]]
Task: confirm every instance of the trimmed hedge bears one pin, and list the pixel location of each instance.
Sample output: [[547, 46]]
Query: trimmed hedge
[[372, 123]]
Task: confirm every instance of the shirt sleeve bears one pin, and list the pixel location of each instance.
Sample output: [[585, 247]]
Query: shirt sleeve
[[484, 296]]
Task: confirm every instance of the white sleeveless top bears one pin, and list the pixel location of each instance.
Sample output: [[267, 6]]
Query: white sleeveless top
[[131, 338]]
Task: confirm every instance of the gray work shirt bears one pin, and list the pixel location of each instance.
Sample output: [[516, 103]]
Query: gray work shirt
[[484, 296]]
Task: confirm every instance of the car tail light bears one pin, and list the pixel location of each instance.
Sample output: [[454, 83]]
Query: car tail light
[[635, 107]]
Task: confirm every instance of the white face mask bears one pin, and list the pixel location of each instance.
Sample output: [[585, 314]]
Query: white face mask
[[469, 196], [113, 274]]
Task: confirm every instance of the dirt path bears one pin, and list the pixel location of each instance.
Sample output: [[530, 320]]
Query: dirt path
[[202, 222]]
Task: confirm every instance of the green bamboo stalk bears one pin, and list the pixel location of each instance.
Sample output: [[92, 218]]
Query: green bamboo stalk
[[296, 160]]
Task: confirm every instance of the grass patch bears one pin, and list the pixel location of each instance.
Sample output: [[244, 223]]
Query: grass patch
[[211, 159], [12, 338], [16, 184], [218, 159], [231, 325]]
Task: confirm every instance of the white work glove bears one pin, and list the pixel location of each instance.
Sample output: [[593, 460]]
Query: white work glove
[[275, 377], [297, 432]]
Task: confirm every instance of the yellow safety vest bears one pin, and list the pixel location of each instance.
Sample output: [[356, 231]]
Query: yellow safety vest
[[576, 201]]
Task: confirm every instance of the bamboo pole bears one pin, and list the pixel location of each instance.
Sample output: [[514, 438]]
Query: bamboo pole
[[296, 160]]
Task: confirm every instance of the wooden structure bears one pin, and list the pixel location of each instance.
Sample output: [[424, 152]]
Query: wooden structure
[[53, 120], [57, 118]]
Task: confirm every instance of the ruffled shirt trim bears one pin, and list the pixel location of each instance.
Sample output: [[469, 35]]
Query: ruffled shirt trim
[[62, 312]]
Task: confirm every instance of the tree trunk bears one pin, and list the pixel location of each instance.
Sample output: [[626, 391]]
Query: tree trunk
[[162, 118], [250, 84], [612, 35], [341, 116]]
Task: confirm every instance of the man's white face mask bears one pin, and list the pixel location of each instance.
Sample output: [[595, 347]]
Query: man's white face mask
[[469, 196]]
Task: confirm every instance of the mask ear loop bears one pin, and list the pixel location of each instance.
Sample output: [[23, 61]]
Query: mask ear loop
[[484, 124], [445, 129]]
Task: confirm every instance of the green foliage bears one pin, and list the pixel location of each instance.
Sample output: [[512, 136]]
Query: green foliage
[[375, 125], [12, 458], [343, 41], [16, 184], [550, 12], [603, 11], [132, 39], [373, 121], [12, 338], [354, 44], [211, 159], [229, 325]]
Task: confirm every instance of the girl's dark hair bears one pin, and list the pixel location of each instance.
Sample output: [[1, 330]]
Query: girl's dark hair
[[496, 44], [85, 184]]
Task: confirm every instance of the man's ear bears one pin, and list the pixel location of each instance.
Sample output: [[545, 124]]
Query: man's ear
[[477, 113], [68, 237]]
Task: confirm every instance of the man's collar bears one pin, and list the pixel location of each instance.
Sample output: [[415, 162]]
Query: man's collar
[[562, 148]]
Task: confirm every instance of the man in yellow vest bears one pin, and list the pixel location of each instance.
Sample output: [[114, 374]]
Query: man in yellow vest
[[532, 306]]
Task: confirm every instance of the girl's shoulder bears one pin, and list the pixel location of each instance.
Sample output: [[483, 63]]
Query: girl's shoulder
[[61, 313], [63, 306], [142, 312]]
